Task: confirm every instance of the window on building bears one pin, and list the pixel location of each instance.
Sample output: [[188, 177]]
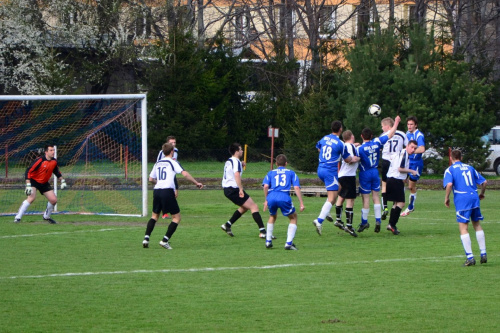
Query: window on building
[[143, 25], [328, 21]]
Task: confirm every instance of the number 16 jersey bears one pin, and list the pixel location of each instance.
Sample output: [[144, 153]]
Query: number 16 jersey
[[164, 172]]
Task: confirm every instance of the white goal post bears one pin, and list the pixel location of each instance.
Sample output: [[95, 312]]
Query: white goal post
[[101, 151]]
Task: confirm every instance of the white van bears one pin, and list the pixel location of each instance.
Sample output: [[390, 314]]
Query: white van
[[493, 159]]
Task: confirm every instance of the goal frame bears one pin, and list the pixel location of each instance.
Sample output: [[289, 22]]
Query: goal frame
[[144, 130]]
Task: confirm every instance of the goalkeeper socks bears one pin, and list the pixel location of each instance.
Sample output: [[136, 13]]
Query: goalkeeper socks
[[170, 231], [258, 219], [48, 211], [235, 217], [22, 209], [150, 227]]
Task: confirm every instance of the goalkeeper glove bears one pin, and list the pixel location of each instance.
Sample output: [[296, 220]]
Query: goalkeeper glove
[[28, 189], [63, 184]]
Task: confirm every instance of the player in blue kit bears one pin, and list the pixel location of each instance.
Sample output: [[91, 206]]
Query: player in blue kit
[[369, 179], [277, 185], [463, 180], [416, 161], [331, 151]]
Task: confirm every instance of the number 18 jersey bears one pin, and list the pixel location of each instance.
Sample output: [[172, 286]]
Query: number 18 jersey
[[331, 151]]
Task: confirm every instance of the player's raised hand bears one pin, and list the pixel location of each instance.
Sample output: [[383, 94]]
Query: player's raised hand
[[28, 189], [63, 184]]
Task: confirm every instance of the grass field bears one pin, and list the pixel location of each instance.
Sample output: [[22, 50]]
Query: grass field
[[91, 274]]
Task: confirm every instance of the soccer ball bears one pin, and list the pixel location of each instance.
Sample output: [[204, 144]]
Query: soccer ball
[[375, 110]]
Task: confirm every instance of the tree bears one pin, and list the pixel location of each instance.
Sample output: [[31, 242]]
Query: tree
[[195, 94], [28, 65]]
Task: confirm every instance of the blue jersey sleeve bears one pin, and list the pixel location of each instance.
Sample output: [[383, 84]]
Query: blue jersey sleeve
[[478, 177], [448, 177], [295, 179], [267, 179], [420, 140], [383, 139]]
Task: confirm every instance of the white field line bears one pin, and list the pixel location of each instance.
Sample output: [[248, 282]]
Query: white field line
[[65, 232], [216, 269]]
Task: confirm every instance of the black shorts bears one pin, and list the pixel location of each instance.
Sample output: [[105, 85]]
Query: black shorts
[[45, 187], [385, 169], [395, 190], [164, 201], [347, 187], [233, 194]]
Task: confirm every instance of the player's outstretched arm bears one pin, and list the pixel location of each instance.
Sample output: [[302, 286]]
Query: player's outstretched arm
[[192, 180], [394, 128]]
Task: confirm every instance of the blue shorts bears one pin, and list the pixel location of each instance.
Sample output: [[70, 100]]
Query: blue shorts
[[282, 201], [416, 165], [369, 181], [473, 214], [330, 178]]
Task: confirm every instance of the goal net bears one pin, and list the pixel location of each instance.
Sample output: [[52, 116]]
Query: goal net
[[101, 150]]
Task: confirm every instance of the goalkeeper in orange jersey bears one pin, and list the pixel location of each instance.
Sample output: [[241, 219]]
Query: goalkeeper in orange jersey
[[37, 178]]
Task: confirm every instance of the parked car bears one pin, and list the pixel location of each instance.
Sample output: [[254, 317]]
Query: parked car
[[493, 159]]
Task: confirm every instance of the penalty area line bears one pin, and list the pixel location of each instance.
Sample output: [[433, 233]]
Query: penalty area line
[[216, 269]]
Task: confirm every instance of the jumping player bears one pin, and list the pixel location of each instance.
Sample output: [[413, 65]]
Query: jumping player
[[398, 171], [369, 179], [331, 151], [416, 161], [391, 150], [347, 181]]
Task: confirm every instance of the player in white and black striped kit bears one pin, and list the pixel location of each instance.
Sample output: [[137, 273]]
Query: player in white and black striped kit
[[391, 150], [171, 139], [347, 181], [164, 198], [398, 171], [233, 190]]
